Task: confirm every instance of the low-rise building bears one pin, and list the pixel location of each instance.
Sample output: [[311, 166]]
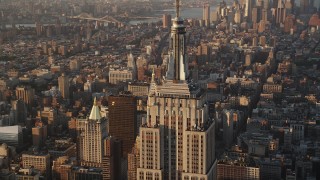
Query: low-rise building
[[237, 165], [139, 89], [120, 75], [40, 162]]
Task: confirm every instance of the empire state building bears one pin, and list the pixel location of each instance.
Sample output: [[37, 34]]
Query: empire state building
[[177, 141]]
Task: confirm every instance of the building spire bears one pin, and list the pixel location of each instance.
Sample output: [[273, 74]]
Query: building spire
[[153, 84], [153, 76], [177, 65], [177, 8], [95, 111], [95, 101]]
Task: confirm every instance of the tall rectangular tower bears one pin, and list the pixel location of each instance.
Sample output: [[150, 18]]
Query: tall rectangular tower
[[280, 13], [111, 162], [92, 137], [166, 21], [206, 14], [122, 120], [26, 94], [64, 85], [248, 9], [177, 141]]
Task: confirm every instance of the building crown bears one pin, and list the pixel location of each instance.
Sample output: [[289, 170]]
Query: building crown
[[95, 111]]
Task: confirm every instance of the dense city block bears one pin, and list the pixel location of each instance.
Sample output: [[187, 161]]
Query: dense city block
[[159, 89]]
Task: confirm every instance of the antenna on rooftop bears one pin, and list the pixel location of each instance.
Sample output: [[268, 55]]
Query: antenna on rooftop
[[178, 8]]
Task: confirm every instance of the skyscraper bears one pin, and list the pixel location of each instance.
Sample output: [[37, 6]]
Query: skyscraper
[[134, 160], [130, 59], [26, 94], [177, 139], [64, 85], [248, 8], [206, 14], [122, 118], [280, 13], [39, 135], [255, 15], [92, 137], [20, 111], [111, 162], [166, 20], [204, 53]]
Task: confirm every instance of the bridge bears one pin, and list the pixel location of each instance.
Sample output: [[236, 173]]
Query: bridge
[[139, 17], [107, 18]]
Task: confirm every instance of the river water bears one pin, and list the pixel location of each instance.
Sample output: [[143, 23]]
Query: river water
[[187, 13]]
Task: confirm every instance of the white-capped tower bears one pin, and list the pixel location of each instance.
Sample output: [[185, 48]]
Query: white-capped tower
[[91, 138]]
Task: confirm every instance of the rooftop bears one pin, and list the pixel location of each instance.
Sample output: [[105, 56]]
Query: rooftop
[[95, 111]]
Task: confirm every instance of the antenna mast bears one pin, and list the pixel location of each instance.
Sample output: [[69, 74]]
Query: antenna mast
[[178, 8]]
